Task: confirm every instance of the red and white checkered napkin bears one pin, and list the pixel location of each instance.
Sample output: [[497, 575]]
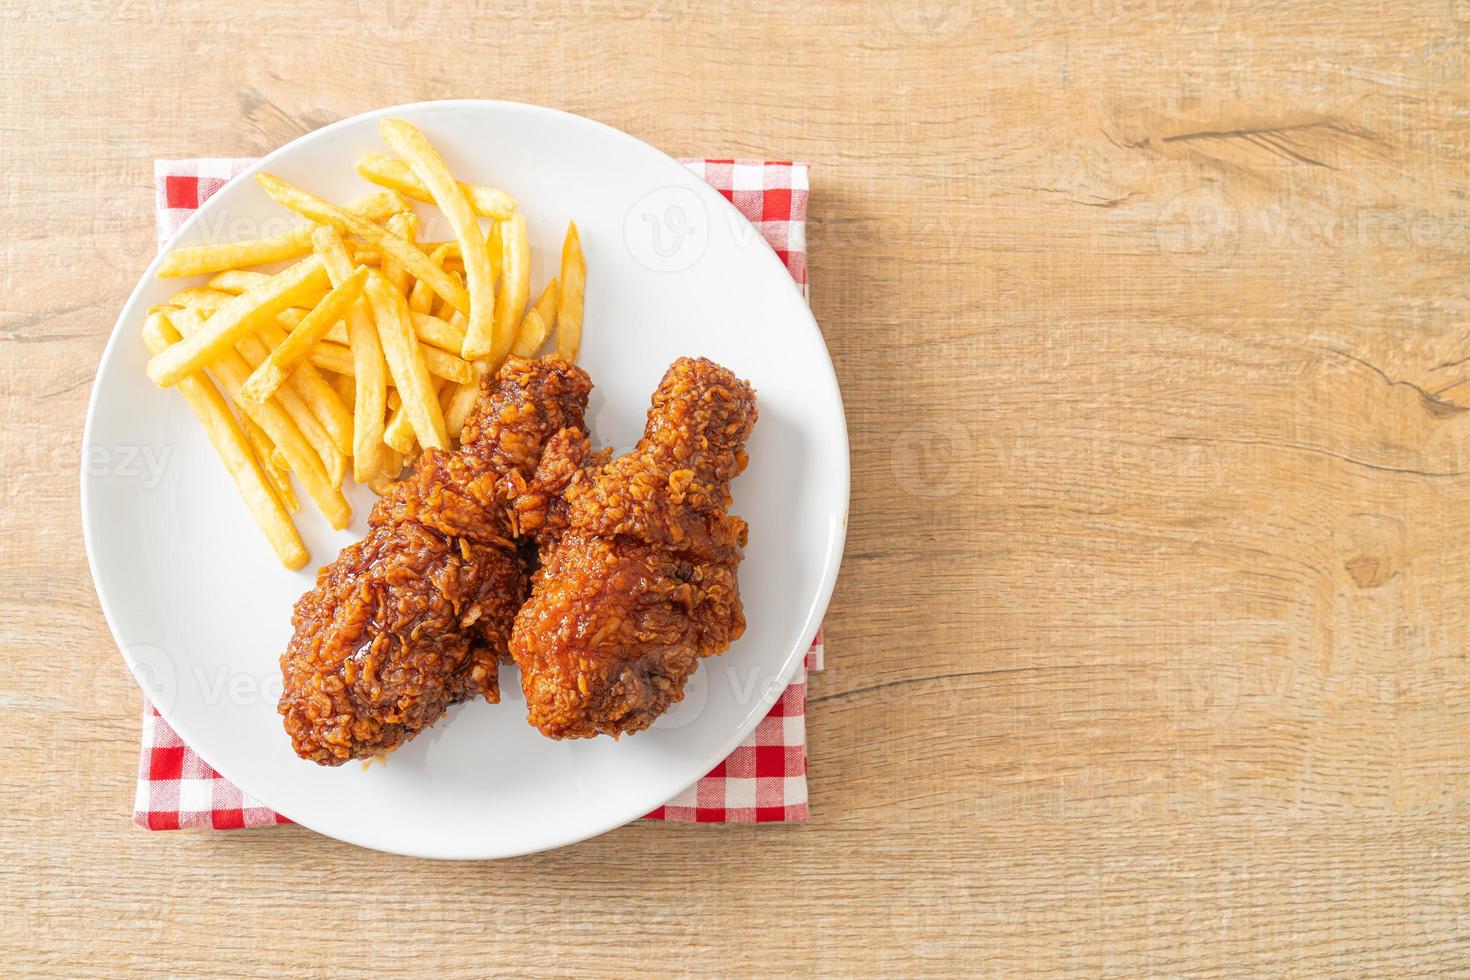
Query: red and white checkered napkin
[[762, 781]]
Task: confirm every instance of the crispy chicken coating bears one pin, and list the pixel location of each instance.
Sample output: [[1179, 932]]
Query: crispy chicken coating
[[416, 616], [639, 559]]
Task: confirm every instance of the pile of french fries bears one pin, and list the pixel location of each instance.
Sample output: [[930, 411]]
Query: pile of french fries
[[369, 346]]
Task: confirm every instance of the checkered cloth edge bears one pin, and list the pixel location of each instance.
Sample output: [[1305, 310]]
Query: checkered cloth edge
[[762, 781]]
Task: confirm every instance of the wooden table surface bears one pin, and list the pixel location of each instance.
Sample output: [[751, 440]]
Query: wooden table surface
[[1149, 650]]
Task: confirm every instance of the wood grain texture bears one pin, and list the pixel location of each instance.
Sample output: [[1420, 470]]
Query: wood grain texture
[[1148, 653]]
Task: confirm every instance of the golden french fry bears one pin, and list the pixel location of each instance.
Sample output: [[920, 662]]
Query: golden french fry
[[201, 298], [415, 261], [345, 388], [421, 299], [463, 401], [234, 450], [230, 369], [493, 246], [365, 365], [446, 335], [336, 358], [489, 202], [296, 348], [406, 362], [398, 434], [392, 467], [241, 316], [569, 307], [236, 280], [530, 336], [547, 302], [405, 226], [310, 401], [336, 421], [429, 167], [266, 452], [441, 364], [515, 284], [198, 259]]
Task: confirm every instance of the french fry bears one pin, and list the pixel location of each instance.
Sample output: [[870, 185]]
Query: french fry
[[234, 450], [202, 298], [405, 226], [530, 336], [515, 284], [441, 364], [493, 246], [450, 367], [336, 358], [345, 388], [421, 299], [428, 166], [368, 371], [398, 434], [392, 467], [241, 316], [322, 418], [569, 307], [446, 335], [415, 261], [547, 302], [296, 348], [463, 401], [406, 362], [197, 260], [539, 321], [488, 202], [266, 452], [230, 369], [236, 280], [310, 401]]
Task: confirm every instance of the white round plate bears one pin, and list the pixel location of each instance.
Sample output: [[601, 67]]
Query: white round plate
[[201, 608]]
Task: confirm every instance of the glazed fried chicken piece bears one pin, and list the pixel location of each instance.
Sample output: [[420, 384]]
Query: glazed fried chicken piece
[[639, 559], [416, 616]]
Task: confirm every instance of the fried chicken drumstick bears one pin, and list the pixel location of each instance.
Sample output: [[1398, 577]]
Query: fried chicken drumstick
[[639, 559], [415, 617]]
